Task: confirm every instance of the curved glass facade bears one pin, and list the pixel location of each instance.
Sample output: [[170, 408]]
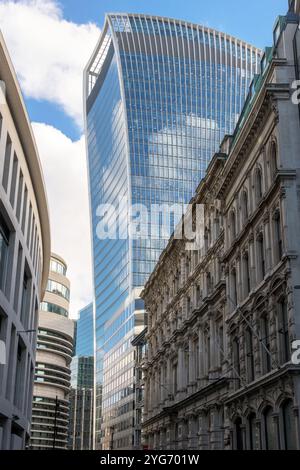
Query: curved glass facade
[[160, 96]]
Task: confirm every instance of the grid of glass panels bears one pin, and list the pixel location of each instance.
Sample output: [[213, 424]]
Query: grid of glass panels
[[84, 332], [108, 181], [183, 87]]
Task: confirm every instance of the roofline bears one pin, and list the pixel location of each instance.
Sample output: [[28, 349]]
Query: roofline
[[59, 258], [89, 305], [106, 26], [176, 20], [25, 133]]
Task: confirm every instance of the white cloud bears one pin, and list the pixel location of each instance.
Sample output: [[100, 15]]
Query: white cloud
[[65, 175], [49, 53]]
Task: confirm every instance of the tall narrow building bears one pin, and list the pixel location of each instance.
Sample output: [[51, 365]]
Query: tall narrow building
[[82, 384], [160, 94], [24, 257], [50, 411]]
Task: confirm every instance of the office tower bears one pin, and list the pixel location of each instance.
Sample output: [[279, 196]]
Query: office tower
[[24, 257], [82, 384], [160, 94], [50, 412]]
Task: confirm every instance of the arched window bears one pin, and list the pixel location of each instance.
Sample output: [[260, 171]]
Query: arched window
[[207, 360], [249, 355], [232, 226], [289, 427], [221, 344], [270, 432], [244, 207], [278, 237], [251, 432], [234, 288], [236, 363], [197, 357], [186, 370], [273, 160], [258, 184], [188, 305], [266, 344], [206, 239], [284, 340], [210, 238], [208, 283], [246, 275], [239, 444], [261, 257], [187, 266], [217, 224]]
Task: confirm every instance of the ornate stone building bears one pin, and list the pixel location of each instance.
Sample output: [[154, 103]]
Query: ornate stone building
[[221, 321]]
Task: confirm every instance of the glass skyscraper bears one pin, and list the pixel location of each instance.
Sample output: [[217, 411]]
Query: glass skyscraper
[[160, 94], [82, 383], [84, 342]]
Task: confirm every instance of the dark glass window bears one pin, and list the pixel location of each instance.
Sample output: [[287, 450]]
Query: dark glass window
[[270, 432], [266, 344], [251, 431], [284, 332], [289, 421], [239, 434], [249, 355]]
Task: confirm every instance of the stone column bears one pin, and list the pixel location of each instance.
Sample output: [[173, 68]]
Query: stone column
[[150, 441], [180, 371], [258, 435], [155, 401], [192, 367], [239, 281], [169, 379], [256, 346], [213, 346], [183, 271], [146, 397], [268, 248], [203, 432], [162, 443], [193, 433], [201, 357], [274, 254], [216, 436], [171, 436], [183, 435], [162, 383], [252, 261]]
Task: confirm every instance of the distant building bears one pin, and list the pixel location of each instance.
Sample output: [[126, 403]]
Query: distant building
[[85, 332], [222, 320], [50, 414], [24, 257], [82, 384]]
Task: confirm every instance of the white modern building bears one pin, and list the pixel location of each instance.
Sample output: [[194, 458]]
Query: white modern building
[[24, 257], [50, 412]]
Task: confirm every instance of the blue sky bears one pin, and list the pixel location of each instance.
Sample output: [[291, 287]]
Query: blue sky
[[251, 21], [50, 42], [248, 20]]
